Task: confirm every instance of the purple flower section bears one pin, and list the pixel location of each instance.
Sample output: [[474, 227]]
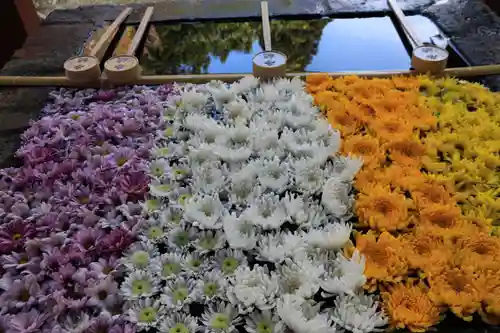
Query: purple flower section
[[71, 209]]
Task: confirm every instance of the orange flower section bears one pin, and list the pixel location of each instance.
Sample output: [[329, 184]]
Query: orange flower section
[[428, 195]]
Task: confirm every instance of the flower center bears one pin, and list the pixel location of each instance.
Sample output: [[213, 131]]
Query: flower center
[[207, 209], [264, 327], [152, 204], [169, 132], [208, 242], [140, 258], [181, 238], [106, 270], [180, 294], [163, 151], [220, 321], [75, 117], [210, 289], [16, 236], [179, 328], [22, 261], [147, 315], [229, 265], [140, 287], [170, 269], [157, 171], [24, 295], [102, 294], [155, 232], [121, 161], [83, 199], [183, 198], [195, 263]]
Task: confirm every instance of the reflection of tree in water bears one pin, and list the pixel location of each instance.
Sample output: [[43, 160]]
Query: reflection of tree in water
[[186, 48]]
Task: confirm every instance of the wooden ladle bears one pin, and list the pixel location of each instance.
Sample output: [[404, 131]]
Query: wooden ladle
[[87, 68], [426, 58], [123, 69], [268, 64]]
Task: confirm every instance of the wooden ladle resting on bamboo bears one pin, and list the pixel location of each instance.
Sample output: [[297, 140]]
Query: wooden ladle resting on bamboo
[[123, 69], [426, 58], [86, 68], [269, 63]]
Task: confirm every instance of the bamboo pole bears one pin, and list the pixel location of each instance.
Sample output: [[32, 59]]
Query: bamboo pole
[[61, 81]]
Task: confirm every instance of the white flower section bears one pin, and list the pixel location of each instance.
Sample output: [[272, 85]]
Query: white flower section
[[139, 256], [179, 323], [274, 174], [228, 260], [178, 294], [300, 276], [212, 286], [264, 322], [139, 284], [331, 237], [145, 313], [220, 318], [253, 288], [303, 316], [168, 266], [205, 211], [210, 241], [336, 198], [268, 212], [209, 177], [345, 275], [358, 314], [275, 248], [240, 231]]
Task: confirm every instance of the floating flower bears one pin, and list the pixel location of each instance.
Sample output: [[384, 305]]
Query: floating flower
[[139, 284], [264, 322], [211, 286], [300, 277], [178, 293], [345, 275], [220, 318], [179, 323], [303, 316], [146, 313], [210, 241], [268, 212], [168, 265], [205, 211], [409, 306], [358, 313], [332, 237], [228, 260], [240, 231]]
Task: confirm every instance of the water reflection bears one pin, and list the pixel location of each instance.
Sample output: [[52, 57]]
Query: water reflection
[[311, 45]]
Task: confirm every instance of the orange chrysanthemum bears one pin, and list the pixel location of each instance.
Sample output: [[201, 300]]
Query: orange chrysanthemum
[[364, 146], [427, 253], [405, 151], [440, 219], [409, 306], [490, 311], [382, 209], [384, 259], [401, 177], [479, 251], [425, 194], [387, 128], [457, 288]]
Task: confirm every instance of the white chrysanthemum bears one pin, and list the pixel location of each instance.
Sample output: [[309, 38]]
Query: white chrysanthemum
[[351, 166], [168, 150], [178, 294], [300, 276], [309, 178], [205, 211], [209, 177], [200, 152], [237, 110], [232, 155], [210, 241], [240, 231], [139, 284], [228, 260], [73, 322], [154, 230], [149, 206], [358, 313], [145, 313], [196, 263], [300, 113], [168, 265], [179, 323], [275, 248], [332, 237], [313, 215], [162, 189], [181, 238], [253, 288], [266, 142], [179, 171], [245, 84], [211, 286], [345, 275], [179, 196], [336, 198], [204, 125], [264, 322], [275, 175], [171, 217], [139, 256], [159, 168], [294, 85], [244, 191], [221, 94], [171, 131], [303, 316], [268, 212], [220, 318], [193, 101]]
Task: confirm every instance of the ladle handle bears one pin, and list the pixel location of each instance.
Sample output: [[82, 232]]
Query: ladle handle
[[140, 31], [266, 27], [110, 32], [403, 22]]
